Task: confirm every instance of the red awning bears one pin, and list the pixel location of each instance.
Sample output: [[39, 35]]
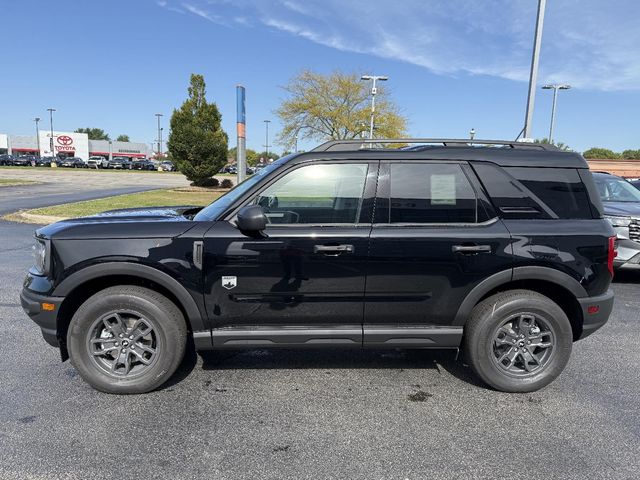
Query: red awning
[[24, 149]]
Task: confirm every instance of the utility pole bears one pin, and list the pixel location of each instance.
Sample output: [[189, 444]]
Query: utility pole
[[555, 88], [51, 110], [37, 119], [266, 145], [374, 90], [241, 132], [159, 134], [533, 77]]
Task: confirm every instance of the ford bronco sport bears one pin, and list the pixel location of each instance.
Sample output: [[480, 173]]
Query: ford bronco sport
[[497, 248]]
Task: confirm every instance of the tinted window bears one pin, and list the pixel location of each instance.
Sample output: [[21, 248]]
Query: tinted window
[[431, 193], [561, 189], [316, 194], [509, 197]]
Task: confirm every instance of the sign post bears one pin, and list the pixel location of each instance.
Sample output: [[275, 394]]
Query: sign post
[[241, 152]]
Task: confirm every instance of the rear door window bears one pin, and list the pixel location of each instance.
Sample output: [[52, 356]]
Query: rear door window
[[430, 193]]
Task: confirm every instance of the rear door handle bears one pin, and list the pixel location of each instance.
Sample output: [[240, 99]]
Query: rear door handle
[[332, 249], [471, 249]]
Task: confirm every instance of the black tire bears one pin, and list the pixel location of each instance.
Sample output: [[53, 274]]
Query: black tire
[[490, 349], [94, 326]]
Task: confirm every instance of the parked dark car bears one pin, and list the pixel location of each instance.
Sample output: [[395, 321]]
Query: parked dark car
[[6, 159], [621, 202], [143, 164], [120, 163], [24, 161], [499, 249], [72, 162], [45, 161]]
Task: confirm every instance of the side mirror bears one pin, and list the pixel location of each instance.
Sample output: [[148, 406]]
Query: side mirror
[[251, 219]]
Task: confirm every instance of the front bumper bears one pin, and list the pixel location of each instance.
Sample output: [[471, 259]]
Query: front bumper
[[595, 312], [628, 254], [47, 320]]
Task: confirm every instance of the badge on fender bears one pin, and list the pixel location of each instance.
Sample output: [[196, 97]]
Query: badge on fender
[[229, 282]]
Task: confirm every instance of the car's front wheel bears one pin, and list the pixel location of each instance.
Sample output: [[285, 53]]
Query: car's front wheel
[[518, 341], [127, 339]]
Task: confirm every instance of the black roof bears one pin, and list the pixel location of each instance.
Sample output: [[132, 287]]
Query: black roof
[[504, 153]]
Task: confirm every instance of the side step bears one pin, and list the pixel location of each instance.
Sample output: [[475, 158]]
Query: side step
[[318, 336]]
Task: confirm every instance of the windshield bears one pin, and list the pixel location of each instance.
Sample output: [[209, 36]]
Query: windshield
[[212, 211], [614, 189]]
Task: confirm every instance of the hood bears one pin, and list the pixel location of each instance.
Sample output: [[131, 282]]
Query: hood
[[622, 209], [148, 222]]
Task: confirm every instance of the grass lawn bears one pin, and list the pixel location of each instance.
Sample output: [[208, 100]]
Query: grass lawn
[[9, 182], [153, 198]]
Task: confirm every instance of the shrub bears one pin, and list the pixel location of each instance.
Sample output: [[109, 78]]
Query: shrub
[[226, 183], [207, 182]]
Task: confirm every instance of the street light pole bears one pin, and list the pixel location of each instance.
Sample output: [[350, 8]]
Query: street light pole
[[266, 145], [374, 90], [51, 110], [555, 87], [533, 76], [37, 119], [159, 133]]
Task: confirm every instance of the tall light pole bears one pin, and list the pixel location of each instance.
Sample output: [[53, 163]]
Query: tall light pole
[[51, 110], [159, 133], [161, 142], [555, 87], [374, 79], [533, 76], [37, 119], [266, 145]]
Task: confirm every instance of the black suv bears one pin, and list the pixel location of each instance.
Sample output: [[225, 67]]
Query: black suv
[[498, 248]]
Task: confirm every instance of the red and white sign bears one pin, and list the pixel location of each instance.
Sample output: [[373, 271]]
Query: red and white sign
[[76, 144]]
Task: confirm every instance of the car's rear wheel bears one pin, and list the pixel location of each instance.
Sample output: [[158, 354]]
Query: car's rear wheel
[[126, 339], [518, 341]]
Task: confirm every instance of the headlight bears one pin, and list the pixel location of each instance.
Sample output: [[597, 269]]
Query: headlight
[[41, 256], [620, 225]]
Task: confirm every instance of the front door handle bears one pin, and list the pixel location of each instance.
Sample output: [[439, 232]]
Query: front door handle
[[332, 249], [471, 249]]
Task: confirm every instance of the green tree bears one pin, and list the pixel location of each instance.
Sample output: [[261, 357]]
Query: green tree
[[560, 145], [336, 106], [197, 143], [94, 133], [631, 154], [266, 156], [123, 138], [596, 152], [252, 157]]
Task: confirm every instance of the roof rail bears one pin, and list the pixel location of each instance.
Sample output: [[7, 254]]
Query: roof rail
[[362, 144]]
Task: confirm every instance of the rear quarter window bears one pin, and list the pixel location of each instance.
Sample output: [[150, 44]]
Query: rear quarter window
[[533, 192]]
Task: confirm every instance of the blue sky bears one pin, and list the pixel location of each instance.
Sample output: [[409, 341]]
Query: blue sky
[[452, 64]]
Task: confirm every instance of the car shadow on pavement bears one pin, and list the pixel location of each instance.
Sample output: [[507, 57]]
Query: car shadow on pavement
[[438, 360]]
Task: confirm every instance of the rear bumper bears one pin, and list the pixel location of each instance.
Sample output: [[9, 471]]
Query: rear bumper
[[601, 307], [47, 320]]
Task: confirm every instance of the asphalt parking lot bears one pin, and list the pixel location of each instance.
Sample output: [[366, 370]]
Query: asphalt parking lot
[[324, 414]]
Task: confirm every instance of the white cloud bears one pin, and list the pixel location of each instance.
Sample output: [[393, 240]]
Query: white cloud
[[588, 43]]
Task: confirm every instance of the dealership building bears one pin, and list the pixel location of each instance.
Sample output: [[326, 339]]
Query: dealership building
[[70, 144]]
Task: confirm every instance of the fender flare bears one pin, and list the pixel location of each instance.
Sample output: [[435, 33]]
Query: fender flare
[[518, 273], [194, 316]]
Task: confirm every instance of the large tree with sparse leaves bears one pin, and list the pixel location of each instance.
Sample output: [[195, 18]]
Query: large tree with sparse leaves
[[335, 107], [94, 133], [197, 144]]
